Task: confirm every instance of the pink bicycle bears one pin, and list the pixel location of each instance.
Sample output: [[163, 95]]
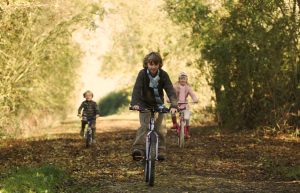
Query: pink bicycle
[[182, 132]]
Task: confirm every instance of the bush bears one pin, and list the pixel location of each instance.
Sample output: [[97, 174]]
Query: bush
[[252, 49], [113, 102]]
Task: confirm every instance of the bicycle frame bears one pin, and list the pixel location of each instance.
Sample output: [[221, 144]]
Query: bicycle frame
[[89, 129], [89, 121], [148, 138]]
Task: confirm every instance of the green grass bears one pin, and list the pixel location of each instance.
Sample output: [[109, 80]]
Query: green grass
[[43, 179], [281, 167], [292, 172]]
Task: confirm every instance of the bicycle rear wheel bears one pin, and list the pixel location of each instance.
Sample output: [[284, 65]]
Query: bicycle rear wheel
[[181, 135]]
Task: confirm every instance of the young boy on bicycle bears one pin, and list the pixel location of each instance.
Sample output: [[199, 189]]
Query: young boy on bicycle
[[183, 90], [148, 93], [89, 111]]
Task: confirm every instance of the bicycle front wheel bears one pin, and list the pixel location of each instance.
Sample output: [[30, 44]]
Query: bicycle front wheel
[[147, 171], [88, 140], [151, 164], [150, 160]]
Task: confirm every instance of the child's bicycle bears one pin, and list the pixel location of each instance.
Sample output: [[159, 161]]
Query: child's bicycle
[[152, 139], [181, 131], [88, 134]]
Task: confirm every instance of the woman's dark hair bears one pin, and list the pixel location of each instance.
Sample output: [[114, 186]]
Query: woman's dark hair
[[153, 57]]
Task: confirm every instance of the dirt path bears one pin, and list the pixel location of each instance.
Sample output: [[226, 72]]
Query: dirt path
[[212, 162]]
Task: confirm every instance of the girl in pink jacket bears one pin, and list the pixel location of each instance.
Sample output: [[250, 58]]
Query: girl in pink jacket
[[183, 90]]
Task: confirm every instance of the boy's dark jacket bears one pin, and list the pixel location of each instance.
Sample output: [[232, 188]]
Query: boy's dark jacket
[[90, 109], [143, 95]]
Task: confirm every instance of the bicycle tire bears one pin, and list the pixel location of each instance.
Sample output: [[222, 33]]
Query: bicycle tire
[[146, 171], [151, 172], [181, 135], [151, 161], [88, 140]]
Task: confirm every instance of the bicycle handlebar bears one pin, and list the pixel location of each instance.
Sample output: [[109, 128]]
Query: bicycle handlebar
[[159, 110], [87, 118], [187, 103]]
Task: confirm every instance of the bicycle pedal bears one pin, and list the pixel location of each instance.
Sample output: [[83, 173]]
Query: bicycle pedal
[[137, 155], [138, 158]]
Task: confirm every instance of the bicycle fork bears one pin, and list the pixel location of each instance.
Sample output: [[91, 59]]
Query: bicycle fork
[[181, 122], [152, 137]]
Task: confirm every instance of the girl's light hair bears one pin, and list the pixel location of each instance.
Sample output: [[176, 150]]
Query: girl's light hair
[[183, 74], [88, 92]]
